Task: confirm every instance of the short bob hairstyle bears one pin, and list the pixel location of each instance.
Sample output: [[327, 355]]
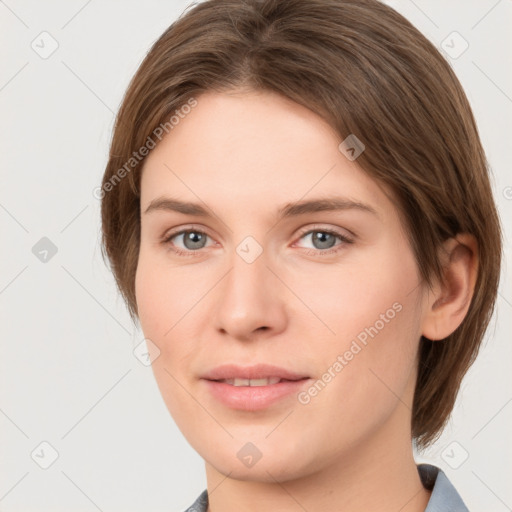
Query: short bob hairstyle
[[367, 71]]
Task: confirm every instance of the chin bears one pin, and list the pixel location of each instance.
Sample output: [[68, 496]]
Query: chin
[[271, 466]]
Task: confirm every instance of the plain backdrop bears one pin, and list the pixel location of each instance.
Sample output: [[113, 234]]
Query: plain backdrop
[[82, 423]]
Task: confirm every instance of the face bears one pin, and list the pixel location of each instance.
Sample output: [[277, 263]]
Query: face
[[262, 244]]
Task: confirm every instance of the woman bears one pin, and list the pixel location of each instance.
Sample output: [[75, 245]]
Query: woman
[[297, 210]]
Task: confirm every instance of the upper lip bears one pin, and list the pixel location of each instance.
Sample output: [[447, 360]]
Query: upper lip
[[258, 371]]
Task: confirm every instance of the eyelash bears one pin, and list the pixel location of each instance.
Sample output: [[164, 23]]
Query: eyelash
[[343, 238]]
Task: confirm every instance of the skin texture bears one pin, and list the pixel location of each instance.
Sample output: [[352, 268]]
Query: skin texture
[[243, 155]]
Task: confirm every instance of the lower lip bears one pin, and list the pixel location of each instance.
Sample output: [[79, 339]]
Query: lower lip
[[253, 398]]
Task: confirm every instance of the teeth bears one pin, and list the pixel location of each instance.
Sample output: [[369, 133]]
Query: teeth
[[252, 382]]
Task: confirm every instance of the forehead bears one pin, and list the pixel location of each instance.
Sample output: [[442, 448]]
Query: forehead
[[250, 150]]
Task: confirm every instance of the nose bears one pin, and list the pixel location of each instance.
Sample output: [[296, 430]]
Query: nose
[[250, 301]]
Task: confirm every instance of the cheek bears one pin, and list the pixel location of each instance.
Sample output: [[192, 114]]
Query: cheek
[[158, 303], [164, 296], [172, 304], [152, 300], [163, 301], [364, 291], [370, 331]]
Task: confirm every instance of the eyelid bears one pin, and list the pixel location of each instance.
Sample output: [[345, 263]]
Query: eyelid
[[328, 229], [182, 229]]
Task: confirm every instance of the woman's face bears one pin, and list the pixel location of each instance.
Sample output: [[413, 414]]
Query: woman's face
[[267, 274]]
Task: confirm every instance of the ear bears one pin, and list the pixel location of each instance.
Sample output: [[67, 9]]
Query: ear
[[448, 302]]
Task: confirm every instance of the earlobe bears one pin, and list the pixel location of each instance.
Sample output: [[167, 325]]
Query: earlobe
[[448, 302]]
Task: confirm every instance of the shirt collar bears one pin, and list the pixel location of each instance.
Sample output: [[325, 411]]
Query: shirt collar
[[444, 497]]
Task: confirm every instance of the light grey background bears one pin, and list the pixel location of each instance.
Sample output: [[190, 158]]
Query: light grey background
[[68, 373]]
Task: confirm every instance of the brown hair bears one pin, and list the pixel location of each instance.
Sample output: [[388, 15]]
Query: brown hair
[[366, 70]]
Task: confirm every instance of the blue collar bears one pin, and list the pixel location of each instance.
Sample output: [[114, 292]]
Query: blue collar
[[444, 497]]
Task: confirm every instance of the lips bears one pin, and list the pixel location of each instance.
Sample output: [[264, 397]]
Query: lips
[[252, 388]]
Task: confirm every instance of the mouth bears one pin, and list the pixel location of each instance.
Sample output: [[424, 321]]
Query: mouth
[[253, 388]]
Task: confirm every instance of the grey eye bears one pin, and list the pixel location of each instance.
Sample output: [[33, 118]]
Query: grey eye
[[194, 239], [322, 239]]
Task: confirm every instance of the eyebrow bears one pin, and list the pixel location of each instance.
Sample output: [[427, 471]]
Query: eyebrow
[[286, 211]]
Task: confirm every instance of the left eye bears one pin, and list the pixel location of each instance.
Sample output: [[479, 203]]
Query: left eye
[[324, 239]]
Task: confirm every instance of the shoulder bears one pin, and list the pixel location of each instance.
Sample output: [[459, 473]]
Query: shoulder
[[444, 497]]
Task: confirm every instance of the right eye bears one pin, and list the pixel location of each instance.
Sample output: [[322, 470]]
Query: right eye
[[191, 241]]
